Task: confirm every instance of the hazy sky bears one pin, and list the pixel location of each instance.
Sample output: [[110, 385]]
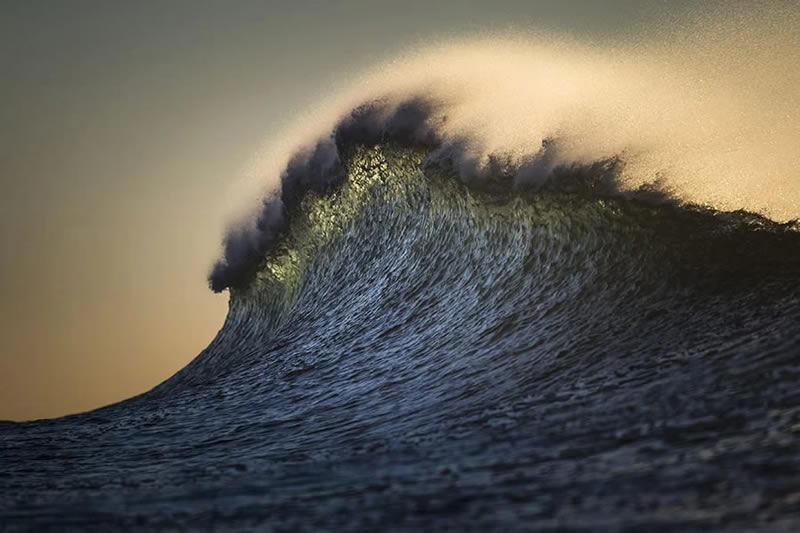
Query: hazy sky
[[124, 125]]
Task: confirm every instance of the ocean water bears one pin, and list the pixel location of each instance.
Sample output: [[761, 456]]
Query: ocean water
[[411, 352]]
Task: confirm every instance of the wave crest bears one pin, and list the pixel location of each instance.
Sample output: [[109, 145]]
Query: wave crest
[[693, 118]]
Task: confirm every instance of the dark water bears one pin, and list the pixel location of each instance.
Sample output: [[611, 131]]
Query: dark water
[[418, 355]]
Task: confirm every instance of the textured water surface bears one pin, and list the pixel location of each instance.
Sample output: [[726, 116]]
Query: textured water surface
[[421, 355]]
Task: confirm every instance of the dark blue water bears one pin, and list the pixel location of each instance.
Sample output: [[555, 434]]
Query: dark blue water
[[416, 354]]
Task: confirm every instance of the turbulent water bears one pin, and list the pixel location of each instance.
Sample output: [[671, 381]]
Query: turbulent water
[[416, 353]]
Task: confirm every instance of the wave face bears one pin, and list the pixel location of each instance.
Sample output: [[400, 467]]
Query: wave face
[[416, 353]]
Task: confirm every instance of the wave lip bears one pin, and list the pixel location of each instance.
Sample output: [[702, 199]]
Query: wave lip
[[317, 170]]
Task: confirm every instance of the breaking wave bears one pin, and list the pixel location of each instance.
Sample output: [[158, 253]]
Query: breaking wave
[[504, 286]]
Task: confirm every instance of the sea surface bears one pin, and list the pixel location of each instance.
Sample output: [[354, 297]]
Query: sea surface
[[418, 354]]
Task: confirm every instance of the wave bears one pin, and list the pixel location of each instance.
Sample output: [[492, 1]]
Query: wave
[[578, 229], [419, 351], [493, 288]]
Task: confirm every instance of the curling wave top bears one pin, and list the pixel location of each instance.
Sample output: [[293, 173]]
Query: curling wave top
[[708, 111]]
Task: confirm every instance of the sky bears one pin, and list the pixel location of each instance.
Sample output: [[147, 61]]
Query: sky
[[125, 126]]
